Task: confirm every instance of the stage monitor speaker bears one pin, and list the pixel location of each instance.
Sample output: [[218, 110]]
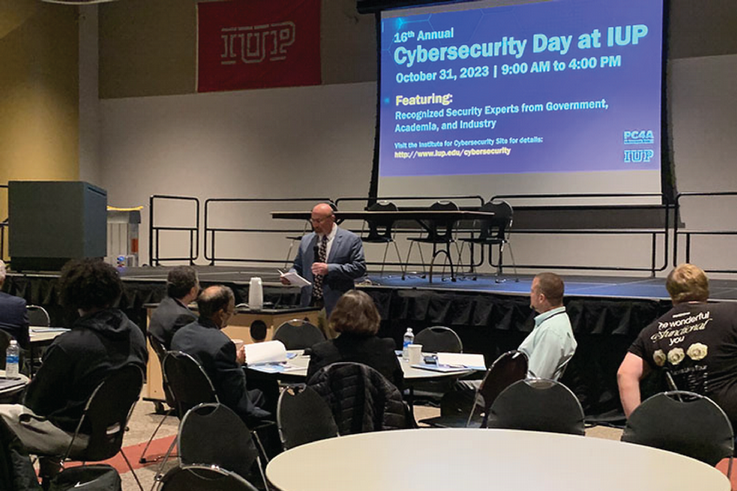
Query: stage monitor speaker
[[52, 222]]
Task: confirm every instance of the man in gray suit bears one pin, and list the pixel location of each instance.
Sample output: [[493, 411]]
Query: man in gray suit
[[330, 258]]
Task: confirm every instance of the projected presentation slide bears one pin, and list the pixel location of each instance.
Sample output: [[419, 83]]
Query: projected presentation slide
[[562, 86]]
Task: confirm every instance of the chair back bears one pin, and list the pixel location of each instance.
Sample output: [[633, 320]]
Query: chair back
[[298, 334], [380, 229], [537, 405], [106, 414], [496, 228], [161, 354], [303, 417], [5, 339], [38, 316], [188, 382], [203, 478], [360, 398], [439, 339], [198, 441], [509, 368], [694, 426], [156, 345], [440, 230]]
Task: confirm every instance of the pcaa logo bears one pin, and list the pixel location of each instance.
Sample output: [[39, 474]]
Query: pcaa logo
[[638, 137], [638, 156]]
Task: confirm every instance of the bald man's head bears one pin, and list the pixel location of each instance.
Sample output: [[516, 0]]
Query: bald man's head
[[216, 303], [322, 219]]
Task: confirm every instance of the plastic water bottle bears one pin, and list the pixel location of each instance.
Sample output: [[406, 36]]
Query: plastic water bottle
[[12, 358], [409, 338]]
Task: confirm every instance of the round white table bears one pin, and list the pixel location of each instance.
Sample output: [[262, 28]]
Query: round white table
[[11, 388], [300, 362], [470, 460]]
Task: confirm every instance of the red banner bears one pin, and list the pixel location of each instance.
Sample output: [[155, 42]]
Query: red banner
[[252, 44]]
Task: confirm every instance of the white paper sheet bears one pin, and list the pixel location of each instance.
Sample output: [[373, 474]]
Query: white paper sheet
[[268, 352]]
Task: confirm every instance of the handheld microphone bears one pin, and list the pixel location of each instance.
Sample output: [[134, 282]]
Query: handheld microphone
[[316, 253]]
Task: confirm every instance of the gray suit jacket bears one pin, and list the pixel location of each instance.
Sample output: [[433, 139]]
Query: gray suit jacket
[[346, 263]]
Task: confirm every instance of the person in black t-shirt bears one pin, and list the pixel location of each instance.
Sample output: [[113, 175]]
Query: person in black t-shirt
[[695, 341]]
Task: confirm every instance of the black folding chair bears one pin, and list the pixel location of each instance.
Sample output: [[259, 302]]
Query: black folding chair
[[509, 368], [298, 334], [436, 339], [439, 233], [683, 422], [380, 232], [203, 478], [106, 416], [537, 405], [5, 340], [369, 403], [38, 316], [196, 444], [189, 386], [303, 417], [160, 354], [494, 232]]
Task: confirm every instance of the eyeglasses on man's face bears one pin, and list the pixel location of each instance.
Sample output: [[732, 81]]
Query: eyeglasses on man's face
[[319, 219]]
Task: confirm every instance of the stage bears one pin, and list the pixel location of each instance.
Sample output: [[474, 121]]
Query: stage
[[606, 312]]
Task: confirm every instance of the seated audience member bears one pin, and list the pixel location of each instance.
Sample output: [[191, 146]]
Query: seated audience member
[[695, 341], [551, 344], [205, 341], [103, 339], [258, 331], [13, 314], [172, 313], [549, 347], [356, 320]]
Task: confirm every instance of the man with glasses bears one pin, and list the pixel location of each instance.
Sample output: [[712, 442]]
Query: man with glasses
[[330, 258], [206, 343]]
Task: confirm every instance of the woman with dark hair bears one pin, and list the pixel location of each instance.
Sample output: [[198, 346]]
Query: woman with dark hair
[[356, 320]]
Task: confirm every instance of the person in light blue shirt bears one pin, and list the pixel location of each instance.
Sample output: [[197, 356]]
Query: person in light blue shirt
[[550, 345]]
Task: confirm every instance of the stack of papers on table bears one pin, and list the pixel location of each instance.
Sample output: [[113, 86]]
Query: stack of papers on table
[[455, 362], [268, 357], [7, 383]]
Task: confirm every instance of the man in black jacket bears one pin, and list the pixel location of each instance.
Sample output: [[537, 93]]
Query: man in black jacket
[[172, 313], [207, 344], [103, 339]]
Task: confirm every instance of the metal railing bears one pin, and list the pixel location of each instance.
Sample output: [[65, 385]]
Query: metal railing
[[590, 205], [154, 238], [690, 234], [212, 233]]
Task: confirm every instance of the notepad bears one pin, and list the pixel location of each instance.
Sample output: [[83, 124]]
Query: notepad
[[440, 368], [268, 352], [7, 383], [294, 279], [468, 361]]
